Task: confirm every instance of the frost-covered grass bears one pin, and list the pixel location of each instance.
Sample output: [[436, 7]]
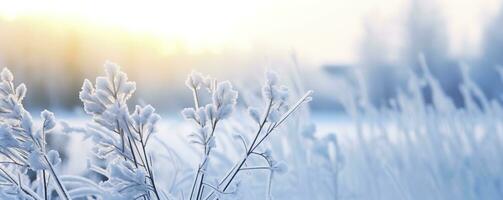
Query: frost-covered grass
[[23, 148], [256, 142], [419, 150], [123, 164]]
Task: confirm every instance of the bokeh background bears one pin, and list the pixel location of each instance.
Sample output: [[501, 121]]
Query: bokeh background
[[53, 45], [407, 93]]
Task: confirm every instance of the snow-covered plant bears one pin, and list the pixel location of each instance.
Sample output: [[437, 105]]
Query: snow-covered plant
[[122, 164], [23, 148], [120, 139], [275, 112], [421, 146], [223, 100]]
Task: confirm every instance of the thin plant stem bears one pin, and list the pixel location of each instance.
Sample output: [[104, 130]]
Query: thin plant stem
[[147, 165], [194, 184], [45, 185], [46, 197], [196, 106], [253, 168], [60, 188], [207, 152], [196, 98], [132, 151]]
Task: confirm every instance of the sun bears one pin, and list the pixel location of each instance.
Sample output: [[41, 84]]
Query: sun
[[200, 24]]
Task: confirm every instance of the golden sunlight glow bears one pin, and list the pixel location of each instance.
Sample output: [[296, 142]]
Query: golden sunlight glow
[[323, 31], [200, 25]]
